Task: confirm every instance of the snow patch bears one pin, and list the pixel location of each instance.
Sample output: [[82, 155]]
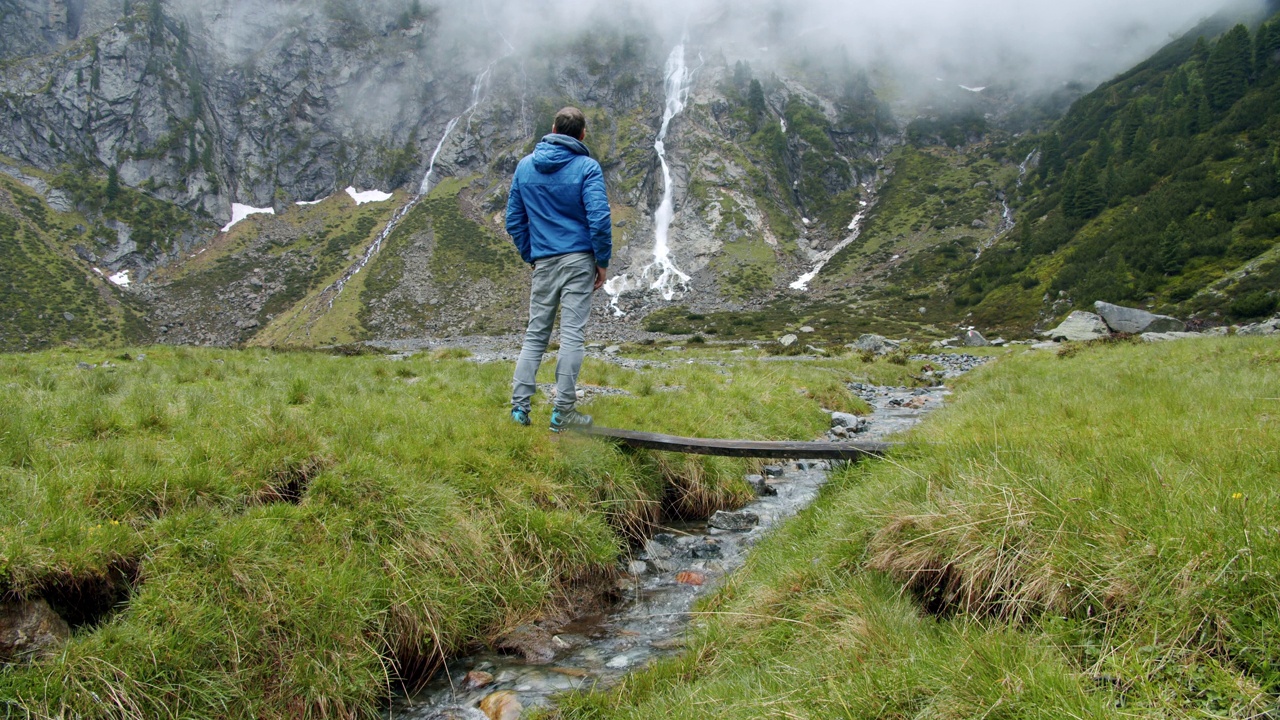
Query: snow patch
[[305, 203], [121, 278], [368, 196], [973, 89], [240, 212], [784, 125]]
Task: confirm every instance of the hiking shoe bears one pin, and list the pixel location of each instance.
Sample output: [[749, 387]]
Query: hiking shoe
[[562, 419], [520, 416]]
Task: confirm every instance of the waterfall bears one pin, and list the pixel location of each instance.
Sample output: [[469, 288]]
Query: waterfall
[[662, 274], [478, 88], [855, 230]]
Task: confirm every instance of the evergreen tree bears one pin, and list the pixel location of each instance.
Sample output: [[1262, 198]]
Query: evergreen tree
[[1267, 46], [1051, 161], [1200, 51], [755, 104], [1088, 199], [1105, 149], [1129, 126], [113, 184], [1070, 184], [1229, 67], [1171, 255], [741, 74]]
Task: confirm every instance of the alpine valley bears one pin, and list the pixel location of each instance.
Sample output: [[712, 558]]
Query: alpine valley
[[319, 172]]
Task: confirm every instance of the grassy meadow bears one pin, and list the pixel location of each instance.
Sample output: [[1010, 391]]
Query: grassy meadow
[[1086, 535], [253, 534]]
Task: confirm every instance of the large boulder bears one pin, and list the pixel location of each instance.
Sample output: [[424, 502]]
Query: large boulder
[[877, 344], [1135, 322], [30, 629], [1078, 327], [1268, 327], [973, 338]]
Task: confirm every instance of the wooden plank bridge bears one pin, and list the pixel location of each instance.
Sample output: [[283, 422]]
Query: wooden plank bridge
[[789, 450]]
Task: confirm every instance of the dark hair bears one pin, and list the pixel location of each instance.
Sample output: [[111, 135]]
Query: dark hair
[[570, 121]]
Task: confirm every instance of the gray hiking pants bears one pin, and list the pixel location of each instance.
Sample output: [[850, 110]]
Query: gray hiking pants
[[564, 281]]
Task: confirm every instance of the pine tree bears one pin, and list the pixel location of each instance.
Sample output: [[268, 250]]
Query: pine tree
[[1129, 126], [1266, 47], [1229, 67], [1088, 199], [1051, 161], [755, 104], [1200, 51], [113, 184]]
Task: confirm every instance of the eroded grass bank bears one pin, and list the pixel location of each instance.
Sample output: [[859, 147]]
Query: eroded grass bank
[[256, 534], [1094, 535]]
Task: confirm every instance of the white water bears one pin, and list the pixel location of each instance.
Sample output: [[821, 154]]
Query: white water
[[855, 227], [662, 274], [477, 96], [1007, 222]]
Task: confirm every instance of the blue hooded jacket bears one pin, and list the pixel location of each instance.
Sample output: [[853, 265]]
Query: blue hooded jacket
[[558, 203]]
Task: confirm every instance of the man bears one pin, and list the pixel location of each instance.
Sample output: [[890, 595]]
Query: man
[[558, 217]]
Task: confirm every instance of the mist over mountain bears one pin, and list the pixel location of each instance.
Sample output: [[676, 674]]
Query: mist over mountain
[[813, 153]]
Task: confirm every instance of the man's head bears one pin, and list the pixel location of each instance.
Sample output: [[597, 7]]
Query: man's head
[[570, 121]]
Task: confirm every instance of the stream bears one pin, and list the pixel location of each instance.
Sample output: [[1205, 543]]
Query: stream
[[661, 582]]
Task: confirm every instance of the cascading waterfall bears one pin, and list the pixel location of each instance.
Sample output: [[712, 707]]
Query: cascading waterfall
[[1007, 222], [477, 96], [855, 230], [662, 274]]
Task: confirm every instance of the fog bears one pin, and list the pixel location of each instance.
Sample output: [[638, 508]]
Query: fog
[[972, 42]]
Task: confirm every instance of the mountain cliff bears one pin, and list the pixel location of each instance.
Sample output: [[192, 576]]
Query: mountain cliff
[[802, 186]]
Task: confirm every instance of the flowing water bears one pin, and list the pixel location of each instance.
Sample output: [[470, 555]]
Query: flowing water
[[598, 649], [855, 228], [478, 88], [662, 274]]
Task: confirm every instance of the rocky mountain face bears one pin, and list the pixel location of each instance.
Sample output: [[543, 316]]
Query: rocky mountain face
[[797, 194]]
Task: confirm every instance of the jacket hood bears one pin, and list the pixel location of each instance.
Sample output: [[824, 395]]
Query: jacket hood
[[555, 151]]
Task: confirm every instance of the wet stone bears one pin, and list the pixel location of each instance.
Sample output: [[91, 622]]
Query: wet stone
[[665, 539], [773, 471], [706, 550], [740, 520], [637, 567]]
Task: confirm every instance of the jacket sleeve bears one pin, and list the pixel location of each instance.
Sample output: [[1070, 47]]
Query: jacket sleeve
[[599, 220], [518, 221]]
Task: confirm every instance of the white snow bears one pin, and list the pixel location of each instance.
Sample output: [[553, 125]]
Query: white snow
[[973, 89], [305, 203], [804, 220], [98, 271], [368, 196], [784, 125], [121, 278], [240, 212]]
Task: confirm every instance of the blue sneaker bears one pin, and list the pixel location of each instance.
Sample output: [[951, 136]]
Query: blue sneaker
[[568, 419], [520, 416]]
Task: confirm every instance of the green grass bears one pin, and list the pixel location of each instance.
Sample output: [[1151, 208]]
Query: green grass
[[1084, 536], [259, 534]]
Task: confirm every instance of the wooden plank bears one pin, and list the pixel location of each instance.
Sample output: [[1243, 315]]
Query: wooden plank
[[741, 448]]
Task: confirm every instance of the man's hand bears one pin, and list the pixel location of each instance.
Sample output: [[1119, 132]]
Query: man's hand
[[600, 275]]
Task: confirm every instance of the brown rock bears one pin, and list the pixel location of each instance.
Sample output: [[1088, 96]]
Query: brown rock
[[30, 629], [689, 577], [535, 643], [477, 679], [502, 706]]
